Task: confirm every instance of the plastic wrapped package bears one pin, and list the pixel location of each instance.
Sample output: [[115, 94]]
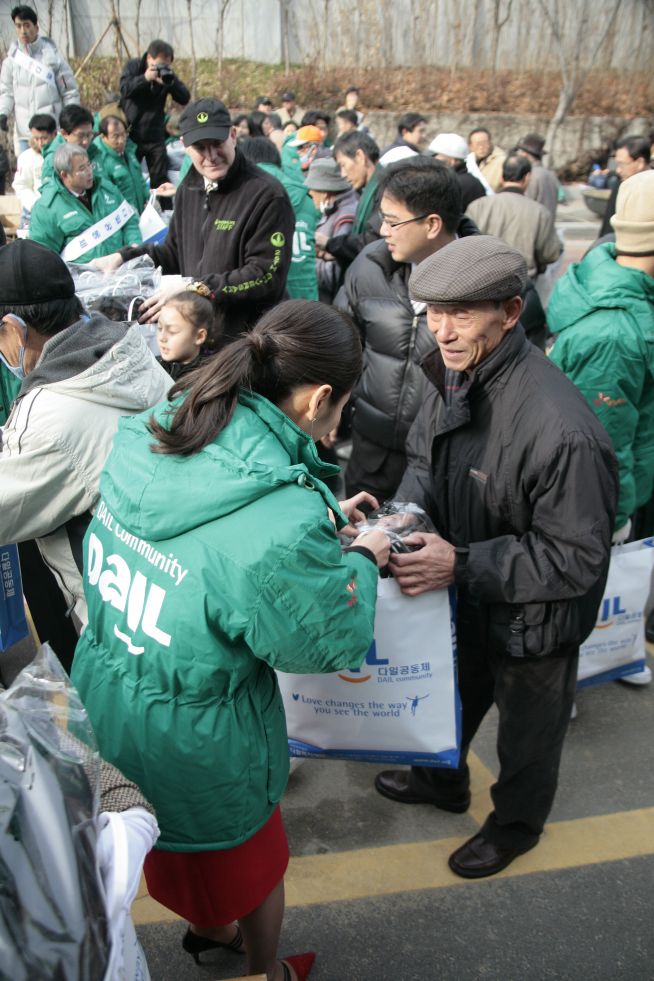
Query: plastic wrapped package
[[398, 520], [53, 921], [119, 294]]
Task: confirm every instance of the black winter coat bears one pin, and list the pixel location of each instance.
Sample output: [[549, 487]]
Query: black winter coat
[[396, 339], [237, 240], [144, 102], [519, 475]]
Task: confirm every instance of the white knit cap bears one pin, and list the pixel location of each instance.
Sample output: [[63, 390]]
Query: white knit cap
[[397, 153], [633, 221], [450, 145]]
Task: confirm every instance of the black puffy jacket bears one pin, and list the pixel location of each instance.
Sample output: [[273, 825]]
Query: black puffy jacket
[[518, 474], [396, 339]]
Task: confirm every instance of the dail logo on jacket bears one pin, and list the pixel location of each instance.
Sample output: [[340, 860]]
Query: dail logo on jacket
[[134, 595]]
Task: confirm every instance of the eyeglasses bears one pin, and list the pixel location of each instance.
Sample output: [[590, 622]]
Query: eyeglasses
[[397, 224]]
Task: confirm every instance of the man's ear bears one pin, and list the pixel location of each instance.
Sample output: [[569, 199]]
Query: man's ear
[[512, 308]]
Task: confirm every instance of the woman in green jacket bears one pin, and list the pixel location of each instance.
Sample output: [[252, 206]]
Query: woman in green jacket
[[213, 559]]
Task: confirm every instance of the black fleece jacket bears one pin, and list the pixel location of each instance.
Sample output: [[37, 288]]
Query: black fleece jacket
[[237, 240], [144, 102]]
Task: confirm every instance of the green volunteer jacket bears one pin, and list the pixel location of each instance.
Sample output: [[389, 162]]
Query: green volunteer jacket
[[302, 280], [202, 574], [123, 170], [58, 217], [9, 388], [603, 315]]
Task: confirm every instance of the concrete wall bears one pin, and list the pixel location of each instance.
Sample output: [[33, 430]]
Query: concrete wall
[[365, 33]]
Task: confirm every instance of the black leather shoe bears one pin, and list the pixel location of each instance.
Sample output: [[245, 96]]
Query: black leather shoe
[[479, 857], [394, 784]]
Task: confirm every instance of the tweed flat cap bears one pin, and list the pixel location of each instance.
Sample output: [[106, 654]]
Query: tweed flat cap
[[477, 267]]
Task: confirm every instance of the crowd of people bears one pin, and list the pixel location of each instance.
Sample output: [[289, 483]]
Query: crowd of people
[[390, 301]]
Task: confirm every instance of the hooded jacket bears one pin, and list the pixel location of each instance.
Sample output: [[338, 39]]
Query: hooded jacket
[[516, 472], [27, 94], [58, 436], [59, 216], [237, 239], [603, 315], [123, 170], [195, 597]]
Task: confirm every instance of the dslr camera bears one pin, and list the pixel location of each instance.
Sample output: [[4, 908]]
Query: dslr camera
[[165, 73]]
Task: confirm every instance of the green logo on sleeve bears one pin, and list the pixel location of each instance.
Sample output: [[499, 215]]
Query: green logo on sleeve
[[277, 239]]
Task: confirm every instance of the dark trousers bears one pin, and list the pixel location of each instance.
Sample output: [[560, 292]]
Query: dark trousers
[[156, 159], [534, 697], [373, 468]]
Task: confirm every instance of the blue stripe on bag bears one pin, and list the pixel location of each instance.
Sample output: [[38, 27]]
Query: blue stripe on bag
[[13, 625]]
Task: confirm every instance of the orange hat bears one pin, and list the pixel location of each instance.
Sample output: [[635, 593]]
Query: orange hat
[[307, 134]]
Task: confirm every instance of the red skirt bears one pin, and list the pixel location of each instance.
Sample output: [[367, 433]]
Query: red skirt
[[212, 889]]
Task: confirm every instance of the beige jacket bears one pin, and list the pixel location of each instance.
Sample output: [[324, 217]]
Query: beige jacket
[[491, 167], [524, 224]]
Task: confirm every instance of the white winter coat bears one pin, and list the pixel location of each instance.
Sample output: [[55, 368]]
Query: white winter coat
[[26, 94], [54, 446]]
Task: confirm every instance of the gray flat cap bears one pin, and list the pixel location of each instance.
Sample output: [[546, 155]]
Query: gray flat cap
[[477, 267]]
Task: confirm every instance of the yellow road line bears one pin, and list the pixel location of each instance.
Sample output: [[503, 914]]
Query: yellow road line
[[368, 872]]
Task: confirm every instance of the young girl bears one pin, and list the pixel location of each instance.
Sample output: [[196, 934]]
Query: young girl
[[185, 332]]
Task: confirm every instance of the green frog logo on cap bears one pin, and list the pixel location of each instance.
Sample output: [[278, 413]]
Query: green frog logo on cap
[[202, 117]]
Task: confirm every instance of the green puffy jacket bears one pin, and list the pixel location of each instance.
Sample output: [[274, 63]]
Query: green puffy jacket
[[58, 217], [603, 314], [123, 170], [202, 574], [302, 280]]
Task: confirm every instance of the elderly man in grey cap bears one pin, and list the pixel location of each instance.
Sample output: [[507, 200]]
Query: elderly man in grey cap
[[521, 482]]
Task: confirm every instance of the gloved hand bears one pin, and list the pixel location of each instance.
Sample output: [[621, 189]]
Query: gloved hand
[[124, 841], [620, 535], [3, 122]]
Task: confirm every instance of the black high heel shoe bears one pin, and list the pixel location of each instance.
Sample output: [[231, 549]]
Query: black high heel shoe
[[195, 945]]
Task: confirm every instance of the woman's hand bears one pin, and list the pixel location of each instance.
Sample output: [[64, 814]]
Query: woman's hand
[[350, 508], [376, 542]]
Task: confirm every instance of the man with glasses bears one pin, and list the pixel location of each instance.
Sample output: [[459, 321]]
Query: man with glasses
[[420, 213], [232, 228], [80, 215]]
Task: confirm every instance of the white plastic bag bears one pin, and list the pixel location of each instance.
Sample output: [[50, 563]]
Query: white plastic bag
[[152, 226], [616, 646], [401, 706]]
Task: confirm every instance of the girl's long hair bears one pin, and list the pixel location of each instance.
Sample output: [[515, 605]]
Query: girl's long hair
[[298, 342]]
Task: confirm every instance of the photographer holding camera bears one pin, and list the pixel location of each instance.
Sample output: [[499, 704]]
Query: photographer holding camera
[[145, 84]]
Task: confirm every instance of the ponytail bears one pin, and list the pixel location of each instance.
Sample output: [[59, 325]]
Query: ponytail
[[299, 342]]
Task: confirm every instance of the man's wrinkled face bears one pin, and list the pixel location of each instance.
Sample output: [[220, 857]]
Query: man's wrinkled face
[[626, 166], [80, 178], [116, 136], [27, 31], [467, 333], [213, 158], [354, 169], [480, 145]]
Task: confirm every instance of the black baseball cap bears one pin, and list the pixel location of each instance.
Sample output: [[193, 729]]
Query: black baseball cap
[[206, 119]]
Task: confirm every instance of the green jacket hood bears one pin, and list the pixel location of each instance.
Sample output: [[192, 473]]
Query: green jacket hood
[[292, 182], [597, 283], [259, 450]]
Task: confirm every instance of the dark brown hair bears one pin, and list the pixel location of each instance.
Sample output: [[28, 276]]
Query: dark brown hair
[[199, 311], [299, 342]]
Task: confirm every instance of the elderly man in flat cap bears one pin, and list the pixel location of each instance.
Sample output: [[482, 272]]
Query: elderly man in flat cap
[[521, 482]]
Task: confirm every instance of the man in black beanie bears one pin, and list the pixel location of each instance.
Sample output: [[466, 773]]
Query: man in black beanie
[[79, 373]]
